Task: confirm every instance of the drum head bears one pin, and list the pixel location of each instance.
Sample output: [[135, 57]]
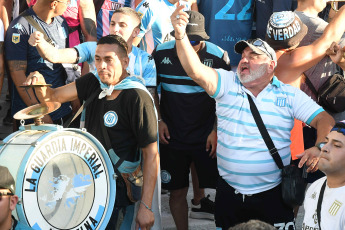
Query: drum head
[[66, 181]]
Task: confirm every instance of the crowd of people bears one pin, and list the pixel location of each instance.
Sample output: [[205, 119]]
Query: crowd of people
[[174, 84]]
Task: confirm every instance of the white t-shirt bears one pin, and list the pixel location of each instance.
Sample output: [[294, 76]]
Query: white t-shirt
[[332, 208]]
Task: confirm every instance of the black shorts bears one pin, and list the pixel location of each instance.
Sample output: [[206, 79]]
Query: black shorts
[[266, 206], [175, 165]]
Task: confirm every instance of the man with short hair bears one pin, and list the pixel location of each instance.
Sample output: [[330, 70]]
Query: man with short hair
[[325, 197], [133, 127], [186, 124], [125, 22], [23, 59], [249, 184], [8, 202]]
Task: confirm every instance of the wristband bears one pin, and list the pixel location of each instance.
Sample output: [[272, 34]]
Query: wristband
[[181, 38], [147, 207]]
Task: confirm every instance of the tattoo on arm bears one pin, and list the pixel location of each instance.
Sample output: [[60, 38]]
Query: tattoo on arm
[[17, 65]]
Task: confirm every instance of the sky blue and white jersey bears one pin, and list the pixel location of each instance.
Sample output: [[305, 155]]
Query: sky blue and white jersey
[[243, 158], [140, 62], [106, 12], [155, 23]]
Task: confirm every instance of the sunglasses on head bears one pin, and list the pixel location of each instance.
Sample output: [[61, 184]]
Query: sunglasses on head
[[259, 43], [5, 194]]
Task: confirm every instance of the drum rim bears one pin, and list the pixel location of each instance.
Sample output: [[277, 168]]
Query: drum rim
[[107, 161]]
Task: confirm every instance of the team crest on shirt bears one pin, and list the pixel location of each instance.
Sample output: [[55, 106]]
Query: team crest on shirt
[[333, 210], [281, 101], [208, 62], [15, 38], [110, 119], [165, 176]]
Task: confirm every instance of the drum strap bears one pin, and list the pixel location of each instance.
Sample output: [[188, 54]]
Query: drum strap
[[110, 149], [69, 121]]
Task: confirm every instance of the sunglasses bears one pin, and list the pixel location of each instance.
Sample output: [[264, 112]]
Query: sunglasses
[[194, 43], [5, 194], [259, 43]]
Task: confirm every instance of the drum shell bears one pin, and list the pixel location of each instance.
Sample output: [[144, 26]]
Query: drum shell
[[64, 177]]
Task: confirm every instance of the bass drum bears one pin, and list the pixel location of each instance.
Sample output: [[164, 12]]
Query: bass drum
[[64, 177]]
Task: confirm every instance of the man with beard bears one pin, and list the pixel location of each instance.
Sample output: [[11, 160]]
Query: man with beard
[[249, 183], [329, 190]]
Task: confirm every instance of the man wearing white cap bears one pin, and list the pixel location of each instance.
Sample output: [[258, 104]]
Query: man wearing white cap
[[249, 184]]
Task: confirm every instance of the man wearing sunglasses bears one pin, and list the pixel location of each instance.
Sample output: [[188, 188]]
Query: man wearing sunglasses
[[8, 202], [186, 120], [23, 59], [249, 183]]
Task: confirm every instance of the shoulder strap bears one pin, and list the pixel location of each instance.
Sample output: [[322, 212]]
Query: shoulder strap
[[108, 146], [88, 100], [319, 202], [34, 23], [310, 85], [264, 133]]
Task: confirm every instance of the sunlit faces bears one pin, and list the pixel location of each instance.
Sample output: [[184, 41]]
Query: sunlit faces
[[252, 66], [124, 26], [332, 158], [110, 63]]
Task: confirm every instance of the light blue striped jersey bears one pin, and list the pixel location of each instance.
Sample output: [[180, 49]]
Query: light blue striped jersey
[[140, 62], [155, 23], [243, 158], [106, 12]]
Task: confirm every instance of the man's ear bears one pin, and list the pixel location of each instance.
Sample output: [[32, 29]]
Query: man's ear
[[13, 202], [53, 4], [125, 62], [135, 32], [272, 66]]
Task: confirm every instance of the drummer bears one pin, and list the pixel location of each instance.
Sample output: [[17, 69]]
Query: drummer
[[8, 202], [124, 106]]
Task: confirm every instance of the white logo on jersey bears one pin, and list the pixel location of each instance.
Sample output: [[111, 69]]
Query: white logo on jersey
[[166, 61], [17, 26]]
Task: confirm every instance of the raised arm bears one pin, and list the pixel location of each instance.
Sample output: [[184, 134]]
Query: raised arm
[[87, 17], [203, 75], [303, 58], [51, 53]]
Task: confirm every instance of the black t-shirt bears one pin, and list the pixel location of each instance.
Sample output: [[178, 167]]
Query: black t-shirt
[[129, 119]]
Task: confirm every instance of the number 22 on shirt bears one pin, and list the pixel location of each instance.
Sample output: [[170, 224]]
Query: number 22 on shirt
[[242, 15]]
